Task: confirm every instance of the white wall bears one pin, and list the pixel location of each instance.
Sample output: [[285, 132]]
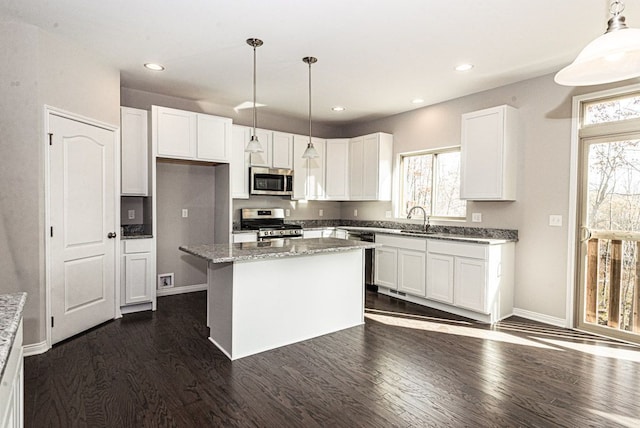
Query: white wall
[[38, 68]]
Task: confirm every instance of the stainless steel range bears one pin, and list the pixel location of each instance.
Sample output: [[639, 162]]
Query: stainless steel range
[[269, 223]]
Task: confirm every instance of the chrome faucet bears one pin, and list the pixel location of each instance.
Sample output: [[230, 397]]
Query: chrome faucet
[[425, 218]]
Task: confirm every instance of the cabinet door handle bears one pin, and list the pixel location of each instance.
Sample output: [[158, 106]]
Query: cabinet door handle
[[111, 235]]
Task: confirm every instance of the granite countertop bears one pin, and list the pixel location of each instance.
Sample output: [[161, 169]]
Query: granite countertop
[[139, 236], [275, 248], [11, 307], [448, 237]]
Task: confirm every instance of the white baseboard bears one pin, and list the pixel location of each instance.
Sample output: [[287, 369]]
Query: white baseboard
[[535, 316], [35, 349], [179, 290]]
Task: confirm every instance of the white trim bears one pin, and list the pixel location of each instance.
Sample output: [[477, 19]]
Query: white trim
[[35, 348], [50, 110], [181, 290], [572, 256], [535, 316]]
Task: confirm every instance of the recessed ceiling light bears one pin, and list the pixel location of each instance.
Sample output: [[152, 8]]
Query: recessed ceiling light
[[338, 108], [154, 67], [464, 67], [417, 100]]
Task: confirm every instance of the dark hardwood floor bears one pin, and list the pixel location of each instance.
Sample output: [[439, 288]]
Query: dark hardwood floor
[[409, 366]]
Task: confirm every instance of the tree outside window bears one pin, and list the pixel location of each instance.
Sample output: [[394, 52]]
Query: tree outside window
[[432, 180]]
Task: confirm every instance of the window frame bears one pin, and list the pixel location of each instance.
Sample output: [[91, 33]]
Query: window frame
[[400, 203]]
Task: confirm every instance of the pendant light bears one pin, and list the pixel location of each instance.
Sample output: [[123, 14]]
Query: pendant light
[[310, 152], [254, 146], [612, 57]]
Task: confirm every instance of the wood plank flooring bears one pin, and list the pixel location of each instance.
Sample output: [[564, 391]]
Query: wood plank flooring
[[409, 366]]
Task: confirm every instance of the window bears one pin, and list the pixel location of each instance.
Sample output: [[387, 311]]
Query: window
[[612, 110], [431, 179]]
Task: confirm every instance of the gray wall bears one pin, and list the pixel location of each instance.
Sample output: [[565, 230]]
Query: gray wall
[[543, 179], [192, 187], [38, 68]]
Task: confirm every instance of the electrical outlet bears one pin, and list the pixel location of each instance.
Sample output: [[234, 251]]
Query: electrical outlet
[[320, 213], [131, 214], [555, 220], [355, 213], [387, 214], [185, 213], [476, 217], [287, 212]]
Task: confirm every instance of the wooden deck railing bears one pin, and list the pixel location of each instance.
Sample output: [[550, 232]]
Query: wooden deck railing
[[613, 279]]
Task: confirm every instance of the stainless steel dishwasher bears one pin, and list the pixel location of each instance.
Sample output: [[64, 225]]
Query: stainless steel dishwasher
[[369, 259]]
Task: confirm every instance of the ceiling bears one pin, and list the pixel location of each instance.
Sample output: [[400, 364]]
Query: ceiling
[[374, 56]]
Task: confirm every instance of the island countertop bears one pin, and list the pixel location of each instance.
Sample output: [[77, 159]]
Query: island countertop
[[275, 248], [11, 307]]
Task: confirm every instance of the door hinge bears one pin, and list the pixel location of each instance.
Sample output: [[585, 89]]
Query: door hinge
[[51, 231], [52, 323], [50, 139]]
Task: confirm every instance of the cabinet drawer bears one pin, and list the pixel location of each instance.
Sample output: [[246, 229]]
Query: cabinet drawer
[[475, 251], [418, 244], [138, 246]]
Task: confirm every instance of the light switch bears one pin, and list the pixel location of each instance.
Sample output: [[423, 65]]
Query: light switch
[[287, 212], [185, 213], [476, 217], [131, 214], [387, 214], [320, 213], [555, 220], [355, 213]]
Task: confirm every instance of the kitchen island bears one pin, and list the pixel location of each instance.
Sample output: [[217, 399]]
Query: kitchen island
[[263, 295]]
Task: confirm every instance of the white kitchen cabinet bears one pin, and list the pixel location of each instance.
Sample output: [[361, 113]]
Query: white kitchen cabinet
[[214, 138], [308, 174], [12, 386], [337, 169], [134, 152], [402, 265], [318, 233], [138, 278], [175, 132], [282, 150], [411, 272], [263, 158], [474, 277], [440, 269], [386, 267], [245, 237], [239, 166], [340, 234], [489, 154], [370, 165], [179, 134]]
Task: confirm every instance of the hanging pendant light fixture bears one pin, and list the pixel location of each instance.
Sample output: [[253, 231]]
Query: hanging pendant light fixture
[[310, 152], [612, 57], [254, 146]]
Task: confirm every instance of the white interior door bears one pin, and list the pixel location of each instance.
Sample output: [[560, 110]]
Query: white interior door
[[82, 218]]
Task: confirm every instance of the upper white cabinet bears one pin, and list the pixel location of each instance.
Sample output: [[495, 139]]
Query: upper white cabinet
[[263, 158], [370, 163], [277, 149], [282, 150], [239, 164], [135, 152], [337, 169], [214, 138], [489, 154], [183, 134], [308, 174]]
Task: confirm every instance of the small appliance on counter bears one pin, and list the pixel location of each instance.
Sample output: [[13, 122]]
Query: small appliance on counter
[[269, 223]]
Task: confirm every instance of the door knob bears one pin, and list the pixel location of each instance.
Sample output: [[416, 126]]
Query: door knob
[[111, 235]]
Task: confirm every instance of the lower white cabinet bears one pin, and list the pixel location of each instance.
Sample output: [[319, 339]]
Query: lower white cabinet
[[400, 264], [138, 278], [245, 237], [12, 386], [471, 277]]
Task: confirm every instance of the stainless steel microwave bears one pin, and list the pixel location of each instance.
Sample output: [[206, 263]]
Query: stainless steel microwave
[[268, 181]]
